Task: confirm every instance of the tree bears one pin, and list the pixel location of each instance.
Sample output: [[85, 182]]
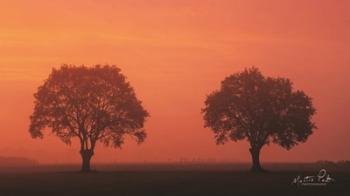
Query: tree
[[91, 104], [260, 109]]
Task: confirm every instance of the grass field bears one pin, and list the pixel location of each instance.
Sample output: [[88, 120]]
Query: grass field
[[162, 179]]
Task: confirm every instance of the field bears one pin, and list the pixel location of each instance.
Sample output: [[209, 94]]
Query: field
[[167, 179]]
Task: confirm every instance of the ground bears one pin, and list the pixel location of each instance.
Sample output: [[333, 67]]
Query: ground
[[164, 180]]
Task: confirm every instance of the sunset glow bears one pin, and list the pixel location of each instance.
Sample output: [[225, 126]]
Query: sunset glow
[[174, 53]]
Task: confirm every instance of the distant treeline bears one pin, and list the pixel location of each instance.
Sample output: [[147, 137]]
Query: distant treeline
[[17, 162], [343, 164]]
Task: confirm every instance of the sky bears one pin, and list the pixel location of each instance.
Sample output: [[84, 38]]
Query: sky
[[174, 53]]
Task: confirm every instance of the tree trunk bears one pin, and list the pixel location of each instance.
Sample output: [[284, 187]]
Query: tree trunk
[[256, 167], [86, 157]]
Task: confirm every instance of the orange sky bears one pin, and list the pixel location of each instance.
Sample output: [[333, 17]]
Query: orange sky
[[174, 53]]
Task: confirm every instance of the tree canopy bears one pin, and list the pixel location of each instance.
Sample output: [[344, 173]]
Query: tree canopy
[[259, 109], [91, 104]]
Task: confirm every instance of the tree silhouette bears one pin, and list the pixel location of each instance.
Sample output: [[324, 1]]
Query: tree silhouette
[[261, 110], [91, 104]]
